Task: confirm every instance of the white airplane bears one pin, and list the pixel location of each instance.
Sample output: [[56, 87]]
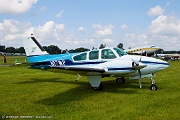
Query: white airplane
[[145, 50], [95, 64]]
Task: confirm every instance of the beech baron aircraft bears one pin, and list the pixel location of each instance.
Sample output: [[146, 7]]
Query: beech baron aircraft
[[95, 64]]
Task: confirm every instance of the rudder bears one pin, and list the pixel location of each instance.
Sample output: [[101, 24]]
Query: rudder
[[32, 47]]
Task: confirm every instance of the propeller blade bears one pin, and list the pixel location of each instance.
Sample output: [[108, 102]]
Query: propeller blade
[[135, 62], [137, 66], [139, 75]]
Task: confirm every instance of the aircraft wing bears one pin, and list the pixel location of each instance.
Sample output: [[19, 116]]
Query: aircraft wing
[[83, 69]]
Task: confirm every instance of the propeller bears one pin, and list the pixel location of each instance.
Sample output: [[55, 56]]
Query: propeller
[[138, 66], [139, 76]]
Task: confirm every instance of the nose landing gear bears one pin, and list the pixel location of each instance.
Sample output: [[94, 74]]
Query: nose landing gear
[[153, 86]]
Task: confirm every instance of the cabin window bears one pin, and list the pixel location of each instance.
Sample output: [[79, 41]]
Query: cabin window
[[80, 57], [107, 54], [93, 55]]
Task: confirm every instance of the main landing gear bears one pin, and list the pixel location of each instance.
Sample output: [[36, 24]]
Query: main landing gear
[[100, 88], [120, 80]]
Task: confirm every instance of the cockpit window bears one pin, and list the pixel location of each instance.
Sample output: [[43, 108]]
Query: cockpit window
[[120, 52], [107, 54], [93, 55], [80, 57]]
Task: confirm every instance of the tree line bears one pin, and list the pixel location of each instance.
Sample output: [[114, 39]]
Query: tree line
[[53, 49]]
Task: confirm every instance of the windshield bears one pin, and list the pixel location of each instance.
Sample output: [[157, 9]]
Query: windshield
[[120, 52]]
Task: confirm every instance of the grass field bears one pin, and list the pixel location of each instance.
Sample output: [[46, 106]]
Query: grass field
[[34, 93], [12, 59]]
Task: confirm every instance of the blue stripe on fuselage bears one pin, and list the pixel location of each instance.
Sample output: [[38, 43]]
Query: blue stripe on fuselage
[[67, 58], [150, 62], [70, 62], [125, 68], [46, 58]]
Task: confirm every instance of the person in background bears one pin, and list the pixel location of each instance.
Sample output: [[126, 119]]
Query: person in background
[[4, 58]]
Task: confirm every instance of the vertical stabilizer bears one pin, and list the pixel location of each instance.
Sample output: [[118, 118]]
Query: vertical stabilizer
[[32, 47]]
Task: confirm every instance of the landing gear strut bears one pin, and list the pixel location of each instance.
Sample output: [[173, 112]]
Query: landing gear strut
[[153, 86]]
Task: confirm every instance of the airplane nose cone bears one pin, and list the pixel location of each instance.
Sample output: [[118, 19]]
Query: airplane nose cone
[[163, 65]]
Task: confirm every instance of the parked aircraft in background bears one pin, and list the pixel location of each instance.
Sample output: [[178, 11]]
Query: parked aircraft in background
[[147, 50], [95, 64], [172, 57]]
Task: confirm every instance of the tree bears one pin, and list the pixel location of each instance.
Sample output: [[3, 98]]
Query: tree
[[64, 51], [20, 50], [81, 49], [102, 46], [45, 47], [10, 50], [2, 48], [120, 45], [52, 49]]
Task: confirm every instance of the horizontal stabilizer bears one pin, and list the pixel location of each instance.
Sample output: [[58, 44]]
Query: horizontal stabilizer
[[20, 64]]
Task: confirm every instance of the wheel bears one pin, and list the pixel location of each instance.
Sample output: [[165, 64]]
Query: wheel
[[120, 80], [153, 87], [100, 88]]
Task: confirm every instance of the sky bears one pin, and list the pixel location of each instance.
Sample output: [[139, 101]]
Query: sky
[[71, 24]]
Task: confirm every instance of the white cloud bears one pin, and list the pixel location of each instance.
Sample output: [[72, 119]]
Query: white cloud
[[108, 42], [11, 31], [155, 11], [165, 26], [51, 33], [124, 27], [165, 31], [81, 29], [58, 15], [102, 31], [16, 6], [135, 40]]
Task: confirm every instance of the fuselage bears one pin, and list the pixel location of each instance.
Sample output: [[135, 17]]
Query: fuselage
[[115, 61]]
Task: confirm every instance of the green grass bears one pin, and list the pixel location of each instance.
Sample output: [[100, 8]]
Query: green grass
[[27, 92], [12, 59]]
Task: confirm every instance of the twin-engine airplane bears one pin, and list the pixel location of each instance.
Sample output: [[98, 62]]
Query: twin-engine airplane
[[95, 64]]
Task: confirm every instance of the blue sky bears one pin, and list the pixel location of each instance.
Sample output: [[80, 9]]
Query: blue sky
[[89, 23]]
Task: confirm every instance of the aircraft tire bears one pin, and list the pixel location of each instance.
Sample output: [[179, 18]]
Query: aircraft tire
[[153, 87], [100, 88], [120, 80]]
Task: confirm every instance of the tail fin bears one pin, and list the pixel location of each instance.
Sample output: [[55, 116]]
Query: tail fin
[[32, 47]]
